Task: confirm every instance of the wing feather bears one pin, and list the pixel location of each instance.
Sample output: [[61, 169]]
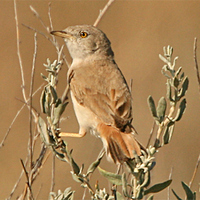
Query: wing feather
[[101, 87]]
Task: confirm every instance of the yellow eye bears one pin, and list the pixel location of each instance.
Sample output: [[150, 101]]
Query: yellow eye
[[83, 34]]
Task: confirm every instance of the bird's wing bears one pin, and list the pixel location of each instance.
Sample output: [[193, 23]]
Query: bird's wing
[[101, 87]]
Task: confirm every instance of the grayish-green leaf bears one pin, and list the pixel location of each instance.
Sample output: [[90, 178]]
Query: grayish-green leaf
[[66, 195], [119, 196], [58, 111], [95, 164], [152, 106], [43, 131], [181, 110], [53, 93], [150, 197], [184, 87], [167, 135], [77, 178], [113, 178], [169, 91], [157, 143], [69, 195], [146, 180], [175, 82], [75, 167], [163, 58], [182, 76], [161, 108], [176, 195], [42, 101], [158, 187], [189, 193], [124, 185], [44, 77], [139, 193], [178, 71]]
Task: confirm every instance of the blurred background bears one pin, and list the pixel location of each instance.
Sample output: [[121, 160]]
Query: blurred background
[[138, 30]]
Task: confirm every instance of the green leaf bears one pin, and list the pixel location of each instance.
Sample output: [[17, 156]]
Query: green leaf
[[42, 101], [58, 111], [175, 82], [176, 195], [53, 93], [158, 187], [146, 180], [157, 143], [44, 77], [167, 135], [59, 155], [95, 164], [119, 196], [178, 71], [189, 193], [69, 195], [150, 197], [77, 178], [75, 167], [43, 131], [152, 107], [163, 58], [113, 178], [181, 110], [184, 87], [161, 108], [124, 185], [139, 193], [169, 91], [182, 76]]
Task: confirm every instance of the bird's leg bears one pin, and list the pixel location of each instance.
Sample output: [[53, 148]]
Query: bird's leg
[[64, 134], [81, 134]]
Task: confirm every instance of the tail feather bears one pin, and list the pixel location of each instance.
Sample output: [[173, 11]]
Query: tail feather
[[119, 145]]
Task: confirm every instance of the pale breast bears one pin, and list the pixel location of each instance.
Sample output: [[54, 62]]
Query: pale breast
[[86, 118]]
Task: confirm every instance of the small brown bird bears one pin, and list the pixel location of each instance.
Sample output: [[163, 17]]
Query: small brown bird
[[99, 92]]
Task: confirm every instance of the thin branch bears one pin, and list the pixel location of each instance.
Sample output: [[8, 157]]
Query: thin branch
[[38, 16], [195, 171], [41, 160], [27, 177], [39, 32], [40, 189], [30, 97], [151, 134], [53, 173], [50, 19], [196, 62], [9, 128], [18, 53], [102, 12], [54, 42], [17, 183], [15, 117], [170, 177], [3, 141]]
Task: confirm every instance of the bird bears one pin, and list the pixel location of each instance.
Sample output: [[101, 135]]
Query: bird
[[100, 94]]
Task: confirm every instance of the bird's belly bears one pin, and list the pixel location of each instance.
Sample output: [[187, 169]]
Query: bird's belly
[[86, 118]]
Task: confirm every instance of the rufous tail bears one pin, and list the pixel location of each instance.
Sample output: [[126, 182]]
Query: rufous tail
[[119, 145]]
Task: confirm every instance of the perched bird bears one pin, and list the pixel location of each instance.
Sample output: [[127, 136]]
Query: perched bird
[[99, 92]]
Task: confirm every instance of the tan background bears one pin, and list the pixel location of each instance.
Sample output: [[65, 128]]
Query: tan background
[[138, 31]]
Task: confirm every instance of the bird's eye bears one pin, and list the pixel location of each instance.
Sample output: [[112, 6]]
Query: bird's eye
[[83, 34]]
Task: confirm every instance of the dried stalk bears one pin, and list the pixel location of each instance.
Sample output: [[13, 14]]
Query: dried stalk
[[102, 12], [196, 62]]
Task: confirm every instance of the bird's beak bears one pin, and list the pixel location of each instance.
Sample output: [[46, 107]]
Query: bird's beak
[[62, 34]]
